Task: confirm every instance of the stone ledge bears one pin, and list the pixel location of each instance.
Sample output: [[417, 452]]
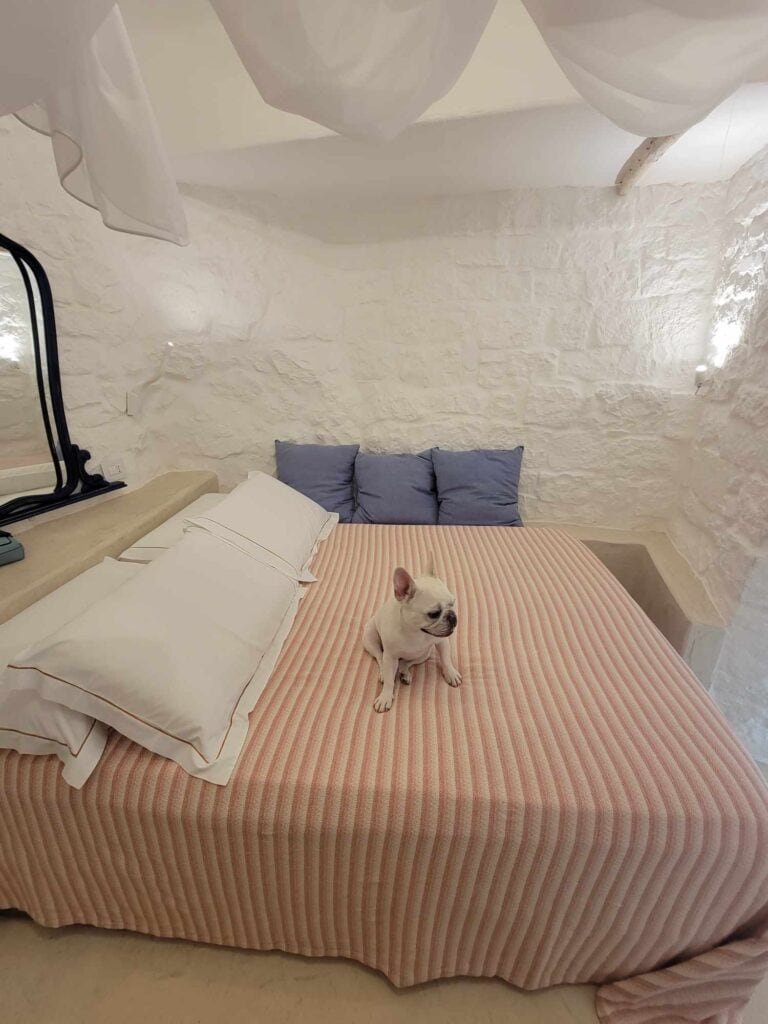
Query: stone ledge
[[59, 550], [657, 576]]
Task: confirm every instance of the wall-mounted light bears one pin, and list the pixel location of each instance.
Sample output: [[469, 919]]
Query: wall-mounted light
[[725, 337], [702, 376]]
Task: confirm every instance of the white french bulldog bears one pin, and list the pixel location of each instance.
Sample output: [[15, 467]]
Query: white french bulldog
[[405, 631]]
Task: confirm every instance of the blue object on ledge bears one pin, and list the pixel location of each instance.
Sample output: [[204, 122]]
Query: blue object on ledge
[[11, 549]]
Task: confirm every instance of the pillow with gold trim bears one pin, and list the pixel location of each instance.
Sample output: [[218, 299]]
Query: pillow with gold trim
[[176, 658], [29, 724]]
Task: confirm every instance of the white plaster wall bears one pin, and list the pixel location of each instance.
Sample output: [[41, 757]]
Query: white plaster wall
[[568, 320], [721, 526]]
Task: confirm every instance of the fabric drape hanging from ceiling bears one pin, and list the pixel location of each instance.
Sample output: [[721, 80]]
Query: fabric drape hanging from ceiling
[[359, 67]]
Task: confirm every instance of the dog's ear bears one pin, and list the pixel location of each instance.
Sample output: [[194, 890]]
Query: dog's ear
[[405, 588], [429, 568]]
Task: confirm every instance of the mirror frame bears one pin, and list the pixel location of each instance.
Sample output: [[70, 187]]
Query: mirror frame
[[75, 483]]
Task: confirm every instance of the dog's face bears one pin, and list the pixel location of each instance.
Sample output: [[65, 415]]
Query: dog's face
[[427, 604]]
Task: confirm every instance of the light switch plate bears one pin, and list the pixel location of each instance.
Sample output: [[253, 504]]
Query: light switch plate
[[113, 466]]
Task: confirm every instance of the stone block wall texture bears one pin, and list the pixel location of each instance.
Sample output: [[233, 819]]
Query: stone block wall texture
[[721, 526], [569, 320]]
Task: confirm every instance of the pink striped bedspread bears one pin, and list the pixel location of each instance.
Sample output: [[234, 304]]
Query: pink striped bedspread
[[578, 811]]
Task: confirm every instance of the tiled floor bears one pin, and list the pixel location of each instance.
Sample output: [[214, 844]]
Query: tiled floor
[[85, 976]]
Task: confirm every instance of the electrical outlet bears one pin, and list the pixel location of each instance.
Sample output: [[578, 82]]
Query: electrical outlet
[[113, 467]]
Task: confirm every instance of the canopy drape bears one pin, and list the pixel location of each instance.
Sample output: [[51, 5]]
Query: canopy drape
[[359, 67], [67, 69], [655, 67]]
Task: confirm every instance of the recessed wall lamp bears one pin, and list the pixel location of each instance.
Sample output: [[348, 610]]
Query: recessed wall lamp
[[702, 376]]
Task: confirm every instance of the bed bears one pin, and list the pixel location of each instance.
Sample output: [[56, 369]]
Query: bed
[[578, 811]]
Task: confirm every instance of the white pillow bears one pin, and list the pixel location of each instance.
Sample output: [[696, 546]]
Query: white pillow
[[271, 522], [29, 723], [168, 533], [177, 657]]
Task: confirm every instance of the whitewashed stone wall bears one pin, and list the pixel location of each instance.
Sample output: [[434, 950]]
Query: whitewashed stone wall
[[722, 524], [740, 679], [569, 320], [22, 435], [167, 327]]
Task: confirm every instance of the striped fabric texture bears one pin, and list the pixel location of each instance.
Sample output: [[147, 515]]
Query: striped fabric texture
[[578, 811]]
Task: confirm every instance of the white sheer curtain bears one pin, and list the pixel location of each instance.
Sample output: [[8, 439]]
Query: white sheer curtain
[[67, 69], [373, 66], [360, 67], [655, 68], [363, 67]]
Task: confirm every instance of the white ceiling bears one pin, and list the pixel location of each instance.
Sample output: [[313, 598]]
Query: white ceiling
[[512, 120], [563, 145]]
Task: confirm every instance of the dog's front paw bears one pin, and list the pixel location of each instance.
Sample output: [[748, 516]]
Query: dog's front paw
[[452, 676], [405, 678], [383, 702]]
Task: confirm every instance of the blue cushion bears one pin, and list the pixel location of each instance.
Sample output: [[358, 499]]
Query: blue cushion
[[478, 488], [395, 489], [323, 472]]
